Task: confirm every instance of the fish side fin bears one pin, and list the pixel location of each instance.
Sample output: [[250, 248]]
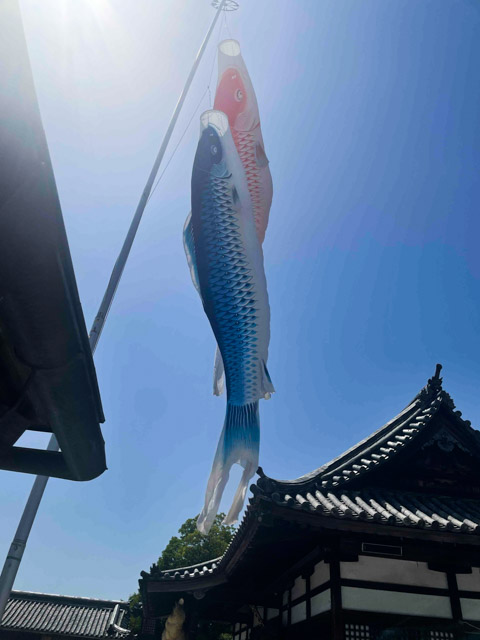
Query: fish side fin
[[267, 385], [189, 246], [218, 374], [239, 444], [260, 156]]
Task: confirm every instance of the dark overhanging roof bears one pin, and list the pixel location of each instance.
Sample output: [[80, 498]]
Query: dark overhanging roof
[[47, 376], [331, 498], [43, 613], [381, 446]]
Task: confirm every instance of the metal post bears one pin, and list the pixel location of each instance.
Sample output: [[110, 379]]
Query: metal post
[[15, 553], [17, 547]]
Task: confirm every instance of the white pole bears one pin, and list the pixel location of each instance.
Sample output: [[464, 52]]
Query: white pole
[[15, 553], [99, 321]]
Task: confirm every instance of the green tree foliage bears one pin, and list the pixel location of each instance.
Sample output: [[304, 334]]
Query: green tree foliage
[[135, 611], [190, 547]]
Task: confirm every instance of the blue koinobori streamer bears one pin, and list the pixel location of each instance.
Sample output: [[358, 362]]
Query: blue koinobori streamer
[[226, 263], [235, 96]]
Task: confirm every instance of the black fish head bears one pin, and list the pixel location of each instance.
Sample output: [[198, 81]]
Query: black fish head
[[209, 150], [210, 157]]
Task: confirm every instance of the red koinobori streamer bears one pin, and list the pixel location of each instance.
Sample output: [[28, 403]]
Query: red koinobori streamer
[[223, 235]]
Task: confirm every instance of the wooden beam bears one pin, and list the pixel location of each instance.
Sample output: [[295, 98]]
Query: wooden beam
[[338, 625], [454, 596]]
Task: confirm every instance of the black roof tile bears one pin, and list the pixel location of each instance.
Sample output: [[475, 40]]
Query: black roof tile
[[64, 615], [401, 508], [381, 446], [329, 491]]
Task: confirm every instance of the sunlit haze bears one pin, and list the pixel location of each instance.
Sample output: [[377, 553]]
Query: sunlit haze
[[370, 119]]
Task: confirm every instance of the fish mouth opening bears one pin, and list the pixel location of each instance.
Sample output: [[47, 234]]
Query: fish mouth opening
[[229, 48], [216, 119]]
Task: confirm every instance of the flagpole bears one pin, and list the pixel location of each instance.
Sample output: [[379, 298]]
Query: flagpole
[[15, 553]]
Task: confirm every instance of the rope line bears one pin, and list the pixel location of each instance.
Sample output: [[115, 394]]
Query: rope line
[[177, 145], [221, 26], [219, 33], [213, 62], [225, 20]]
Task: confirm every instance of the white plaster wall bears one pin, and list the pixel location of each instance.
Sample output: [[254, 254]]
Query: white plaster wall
[[299, 588], [272, 613], [321, 574], [470, 608], [393, 571], [284, 618], [381, 601], [285, 598], [469, 581], [299, 612], [321, 602]]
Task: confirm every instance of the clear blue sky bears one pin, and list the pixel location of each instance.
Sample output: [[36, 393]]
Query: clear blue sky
[[370, 120]]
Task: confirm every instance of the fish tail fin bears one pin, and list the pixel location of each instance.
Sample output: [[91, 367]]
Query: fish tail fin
[[238, 444], [218, 374]]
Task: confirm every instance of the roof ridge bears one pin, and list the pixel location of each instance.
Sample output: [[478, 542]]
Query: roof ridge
[[192, 566], [370, 452], [36, 595], [219, 562]]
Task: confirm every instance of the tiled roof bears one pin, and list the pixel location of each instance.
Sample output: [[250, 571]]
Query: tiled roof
[[329, 490], [200, 570], [381, 446], [64, 615], [404, 509]]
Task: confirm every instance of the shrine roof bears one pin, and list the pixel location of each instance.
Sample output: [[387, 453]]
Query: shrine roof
[[64, 615], [199, 570], [332, 493], [380, 447], [397, 508], [47, 375]]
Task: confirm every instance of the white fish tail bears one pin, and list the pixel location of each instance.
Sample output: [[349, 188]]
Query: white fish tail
[[238, 444]]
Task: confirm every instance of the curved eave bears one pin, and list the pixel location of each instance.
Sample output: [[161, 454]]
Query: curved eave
[[207, 574], [409, 413], [380, 447]]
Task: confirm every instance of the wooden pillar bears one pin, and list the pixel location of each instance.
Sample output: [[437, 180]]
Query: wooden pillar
[[279, 625], [307, 593], [338, 625], [454, 595], [289, 611]]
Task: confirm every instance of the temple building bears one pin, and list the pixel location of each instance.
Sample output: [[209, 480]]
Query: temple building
[[381, 542]]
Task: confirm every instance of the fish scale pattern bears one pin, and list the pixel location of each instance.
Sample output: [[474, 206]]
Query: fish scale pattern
[[231, 292], [245, 142]]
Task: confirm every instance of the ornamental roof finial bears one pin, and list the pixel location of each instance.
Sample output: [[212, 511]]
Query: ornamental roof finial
[[435, 382]]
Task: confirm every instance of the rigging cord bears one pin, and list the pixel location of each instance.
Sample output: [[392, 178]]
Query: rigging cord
[[219, 29], [178, 144], [225, 21], [213, 63]]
